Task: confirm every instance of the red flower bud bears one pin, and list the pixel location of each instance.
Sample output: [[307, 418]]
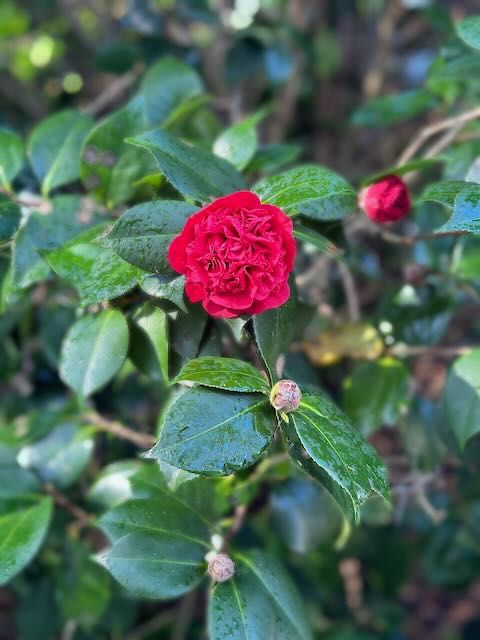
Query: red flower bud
[[387, 200], [221, 568]]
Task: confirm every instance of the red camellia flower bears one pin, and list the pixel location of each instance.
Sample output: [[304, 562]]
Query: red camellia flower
[[387, 200], [236, 254]]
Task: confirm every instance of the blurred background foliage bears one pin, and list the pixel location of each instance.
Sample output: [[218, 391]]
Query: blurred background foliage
[[345, 83]]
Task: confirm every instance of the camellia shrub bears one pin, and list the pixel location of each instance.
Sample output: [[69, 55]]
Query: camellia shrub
[[186, 415]]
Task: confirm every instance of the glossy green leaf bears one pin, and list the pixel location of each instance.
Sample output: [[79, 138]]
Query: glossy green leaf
[[223, 373], [109, 167], [93, 351], [159, 545], [466, 212], [388, 110], [83, 587], [304, 515], [468, 30], [238, 143], [60, 457], [214, 433], [12, 157], [274, 331], [376, 394], [260, 601], [96, 272], [154, 323], [409, 167], [310, 190], [112, 486], [54, 148], [193, 172], [143, 233], [303, 233], [443, 192], [343, 462], [166, 86], [14, 481], [155, 565], [9, 218], [461, 397], [21, 534], [187, 333], [46, 231], [165, 288], [273, 157]]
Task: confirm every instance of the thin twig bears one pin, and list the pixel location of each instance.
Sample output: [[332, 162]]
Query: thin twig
[[183, 619], [114, 90], [430, 130], [350, 289], [81, 516], [395, 238], [148, 628], [413, 351], [142, 440]]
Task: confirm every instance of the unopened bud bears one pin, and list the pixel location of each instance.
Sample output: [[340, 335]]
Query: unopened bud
[[285, 396], [221, 568]]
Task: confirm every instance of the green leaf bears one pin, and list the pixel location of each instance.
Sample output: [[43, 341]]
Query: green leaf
[[305, 234], [375, 394], [213, 432], [409, 167], [60, 457], [154, 322], [157, 566], [274, 331], [159, 545], [96, 272], [343, 462], [304, 515], [12, 157], [109, 167], [112, 486], [93, 351], [466, 212], [166, 86], [310, 190], [21, 534], [260, 601], [46, 231], [193, 172], [166, 289], [9, 217], [223, 373], [54, 148], [14, 481], [82, 587], [388, 110], [468, 30], [443, 192], [187, 332], [143, 233], [238, 143], [273, 157], [461, 397]]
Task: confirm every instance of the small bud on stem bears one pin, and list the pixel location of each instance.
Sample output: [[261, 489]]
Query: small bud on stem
[[221, 568], [285, 396]]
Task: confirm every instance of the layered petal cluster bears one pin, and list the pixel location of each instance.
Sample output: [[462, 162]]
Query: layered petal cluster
[[236, 254]]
